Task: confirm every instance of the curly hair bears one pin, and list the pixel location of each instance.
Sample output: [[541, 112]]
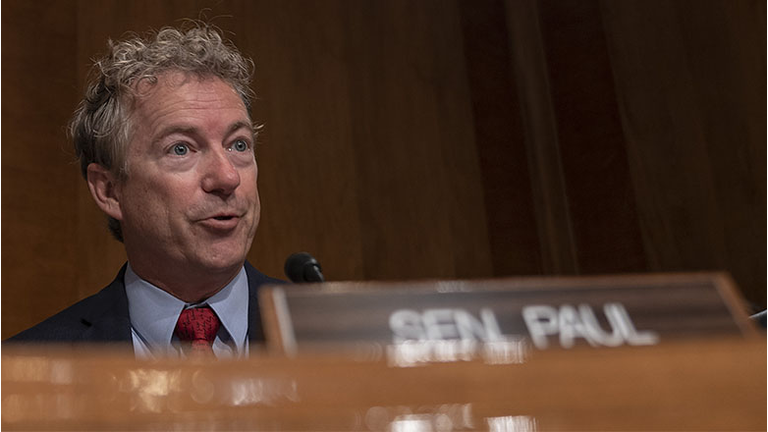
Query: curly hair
[[101, 127]]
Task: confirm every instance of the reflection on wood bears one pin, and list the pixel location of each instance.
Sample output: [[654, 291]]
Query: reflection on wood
[[719, 385]]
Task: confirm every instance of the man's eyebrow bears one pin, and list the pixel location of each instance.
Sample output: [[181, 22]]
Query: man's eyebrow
[[173, 129], [241, 125], [192, 130]]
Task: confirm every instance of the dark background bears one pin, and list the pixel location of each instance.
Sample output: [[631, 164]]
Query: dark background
[[427, 139]]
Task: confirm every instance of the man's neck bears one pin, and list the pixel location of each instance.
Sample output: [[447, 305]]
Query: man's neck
[[188, 286]]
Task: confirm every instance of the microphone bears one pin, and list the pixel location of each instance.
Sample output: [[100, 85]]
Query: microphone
[[303, 267]]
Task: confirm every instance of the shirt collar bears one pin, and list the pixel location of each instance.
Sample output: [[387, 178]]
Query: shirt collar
[[154, 312]]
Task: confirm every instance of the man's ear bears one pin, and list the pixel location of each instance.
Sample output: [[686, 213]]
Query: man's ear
[[104, 189]]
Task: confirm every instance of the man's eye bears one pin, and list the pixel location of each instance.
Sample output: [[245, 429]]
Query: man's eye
[[240, 145], [180, 149]]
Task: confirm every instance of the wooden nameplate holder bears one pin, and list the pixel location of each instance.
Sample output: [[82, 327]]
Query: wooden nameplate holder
[[515, 315]]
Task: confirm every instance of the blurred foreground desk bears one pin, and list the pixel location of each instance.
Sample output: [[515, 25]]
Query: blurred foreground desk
[[712, 385], [633, 352]]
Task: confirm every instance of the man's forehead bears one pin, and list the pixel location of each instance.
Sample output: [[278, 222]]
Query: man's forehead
[[186, 104], [173, 91]]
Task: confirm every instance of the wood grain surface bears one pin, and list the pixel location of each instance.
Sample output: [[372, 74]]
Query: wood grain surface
[[431, 139], [719, 385]]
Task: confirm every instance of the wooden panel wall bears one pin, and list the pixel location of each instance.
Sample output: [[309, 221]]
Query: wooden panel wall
[[645, 124], [690, 77], [39, 261], [429, 139], [369, 136]]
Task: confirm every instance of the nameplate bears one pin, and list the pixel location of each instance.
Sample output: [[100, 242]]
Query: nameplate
[[529, 313]]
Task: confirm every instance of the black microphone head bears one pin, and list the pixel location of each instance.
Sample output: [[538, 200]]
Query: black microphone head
[[303, 267]]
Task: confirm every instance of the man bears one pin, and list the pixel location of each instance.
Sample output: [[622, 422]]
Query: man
[[166, 145]]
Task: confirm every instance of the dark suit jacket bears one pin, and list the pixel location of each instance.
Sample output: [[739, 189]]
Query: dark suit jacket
[[103, 317]]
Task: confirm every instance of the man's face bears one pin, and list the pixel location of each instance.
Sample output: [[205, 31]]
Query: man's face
[[190, 201]]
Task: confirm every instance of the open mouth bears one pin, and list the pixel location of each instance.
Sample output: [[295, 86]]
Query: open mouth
[[221, 222]]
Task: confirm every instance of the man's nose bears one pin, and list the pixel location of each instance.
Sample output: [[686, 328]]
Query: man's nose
[[220, 175]]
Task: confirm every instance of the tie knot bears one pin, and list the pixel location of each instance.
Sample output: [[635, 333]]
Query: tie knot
[[198, 326]]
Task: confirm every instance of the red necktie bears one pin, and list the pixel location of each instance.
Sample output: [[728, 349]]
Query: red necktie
[[199, 326]]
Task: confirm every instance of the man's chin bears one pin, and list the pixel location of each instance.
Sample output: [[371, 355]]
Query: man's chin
[[220, 264], [220, 255]]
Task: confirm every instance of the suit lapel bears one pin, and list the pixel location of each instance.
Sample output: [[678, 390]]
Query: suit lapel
[[108, 319], [256, 279]]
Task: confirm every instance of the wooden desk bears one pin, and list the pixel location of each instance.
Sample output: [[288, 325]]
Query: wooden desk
[[714, 385]]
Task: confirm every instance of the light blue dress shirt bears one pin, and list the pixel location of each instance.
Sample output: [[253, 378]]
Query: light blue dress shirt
[[154, 313]]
